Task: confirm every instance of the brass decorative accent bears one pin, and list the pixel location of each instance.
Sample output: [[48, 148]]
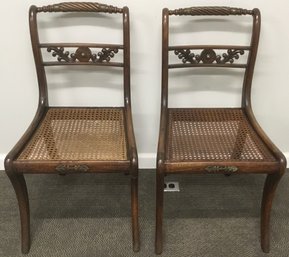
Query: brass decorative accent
[[80, 7], [64, 168], [83, 54], [227, 169], [210, 10], [208, 55]]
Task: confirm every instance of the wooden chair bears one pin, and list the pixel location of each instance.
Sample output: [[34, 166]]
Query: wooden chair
[[65, 140], [214, 140]]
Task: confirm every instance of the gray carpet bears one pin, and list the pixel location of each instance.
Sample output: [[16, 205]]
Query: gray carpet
[[89, 215]]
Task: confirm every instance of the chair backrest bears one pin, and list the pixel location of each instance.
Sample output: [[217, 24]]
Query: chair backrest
[[89, 54], [207, 56]]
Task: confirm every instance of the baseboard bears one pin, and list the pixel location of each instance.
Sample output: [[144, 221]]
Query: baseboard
[[287, 158], [146, 160], [2, 157]]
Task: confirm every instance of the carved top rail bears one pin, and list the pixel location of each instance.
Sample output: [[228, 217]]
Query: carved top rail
[[80, 7], [210, 10], [83, 55], [206, 56]]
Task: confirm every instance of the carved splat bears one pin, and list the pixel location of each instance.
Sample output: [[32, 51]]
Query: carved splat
[[106, 54], [83, 54], [231, 55], [208, 56], [59, 51]]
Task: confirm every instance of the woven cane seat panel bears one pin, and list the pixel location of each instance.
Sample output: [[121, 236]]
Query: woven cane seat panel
[[79, 134], [204, 134]]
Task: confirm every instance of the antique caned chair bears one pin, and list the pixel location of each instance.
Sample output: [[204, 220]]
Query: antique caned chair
[[65, 140], [214, 140]]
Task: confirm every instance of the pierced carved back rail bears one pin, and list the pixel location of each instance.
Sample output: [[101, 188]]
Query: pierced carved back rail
[[208, 56], [225, 56], [91, 54], [85, 54]]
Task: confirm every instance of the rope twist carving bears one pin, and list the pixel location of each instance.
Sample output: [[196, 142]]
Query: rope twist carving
[[210, 10], [80, 7]]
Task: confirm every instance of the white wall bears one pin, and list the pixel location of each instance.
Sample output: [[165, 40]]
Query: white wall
[[19, 95]]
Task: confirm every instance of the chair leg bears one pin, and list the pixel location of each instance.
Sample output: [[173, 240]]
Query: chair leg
[[159, 212], [20, 189], [134, 214], [270, 186]]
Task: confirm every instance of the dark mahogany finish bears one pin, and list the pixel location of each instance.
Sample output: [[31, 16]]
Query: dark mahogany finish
[[19, 161], [186, 145]]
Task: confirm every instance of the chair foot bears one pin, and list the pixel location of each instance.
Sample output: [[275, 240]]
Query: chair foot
[[270, 186], [134, 214], [159, 213], [20, 189]]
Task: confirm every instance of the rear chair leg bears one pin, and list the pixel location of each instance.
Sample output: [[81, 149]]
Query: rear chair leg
[[159, 212], [134, 214], [20, 189], [270, 186]]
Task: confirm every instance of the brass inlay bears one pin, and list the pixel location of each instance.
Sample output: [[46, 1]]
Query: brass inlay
[[65, 168], [229, 169]]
